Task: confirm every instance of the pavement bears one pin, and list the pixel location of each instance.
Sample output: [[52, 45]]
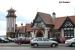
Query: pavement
[[17, 45], [13, 45], [61, 44]]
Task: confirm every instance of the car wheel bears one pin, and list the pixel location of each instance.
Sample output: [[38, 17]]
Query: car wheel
[[53, 45], [35, 45], [73, 44]]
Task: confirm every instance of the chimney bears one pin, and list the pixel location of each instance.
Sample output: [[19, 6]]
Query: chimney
[[54, 16]]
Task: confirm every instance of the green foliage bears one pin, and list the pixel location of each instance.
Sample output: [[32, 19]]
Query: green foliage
[[55, 33]]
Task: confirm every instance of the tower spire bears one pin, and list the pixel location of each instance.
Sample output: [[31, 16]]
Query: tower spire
[[11, 3]]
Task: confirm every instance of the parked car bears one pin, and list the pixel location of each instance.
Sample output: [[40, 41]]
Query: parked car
[[61, 39], [10, 39], [43, 42], [70, 42], [54, 39], [3, 40], [57, 40], [22, 40]]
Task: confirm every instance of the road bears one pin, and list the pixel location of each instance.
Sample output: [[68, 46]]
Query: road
[[12, 46]]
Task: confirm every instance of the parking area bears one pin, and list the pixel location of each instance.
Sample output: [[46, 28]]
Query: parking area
[[14, 44], [22, 45], [11, 46]]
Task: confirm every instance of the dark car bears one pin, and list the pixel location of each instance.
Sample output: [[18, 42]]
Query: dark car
[[22, 41], [3, 40]]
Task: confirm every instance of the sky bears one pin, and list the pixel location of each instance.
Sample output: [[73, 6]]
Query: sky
[[26, 10]]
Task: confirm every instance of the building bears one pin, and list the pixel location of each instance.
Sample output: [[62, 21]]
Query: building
[[45, 25], [66, 25], [13, 30], [41, 25], [20, 31], [23, 31], [11, 21]]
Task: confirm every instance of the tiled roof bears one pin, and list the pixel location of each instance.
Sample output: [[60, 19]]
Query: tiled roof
[[45, 17], [28, 28], [21, 29], [24, 29], [72, 19], [59, 21], [48, 20]]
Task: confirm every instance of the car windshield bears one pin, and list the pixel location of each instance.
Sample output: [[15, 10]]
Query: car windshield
[[39, 39]]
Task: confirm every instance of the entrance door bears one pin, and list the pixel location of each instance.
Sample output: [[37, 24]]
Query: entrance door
[[39, 34]]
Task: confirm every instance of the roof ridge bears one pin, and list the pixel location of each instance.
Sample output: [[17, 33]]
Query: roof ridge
[[66, 16], [42, 13]]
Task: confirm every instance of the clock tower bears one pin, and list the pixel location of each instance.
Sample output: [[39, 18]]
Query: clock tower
[[11, 21]]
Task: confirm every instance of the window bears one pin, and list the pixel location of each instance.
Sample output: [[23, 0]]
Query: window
[[64, 28], [39, 39], [69, 32], [39, 24], [45, 39], [71, 28]]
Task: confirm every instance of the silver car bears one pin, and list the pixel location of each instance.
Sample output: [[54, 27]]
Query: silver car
[[70, 42], [43, 42]]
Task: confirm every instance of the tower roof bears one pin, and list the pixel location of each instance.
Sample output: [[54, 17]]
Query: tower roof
[[11, 10], [11, 13]]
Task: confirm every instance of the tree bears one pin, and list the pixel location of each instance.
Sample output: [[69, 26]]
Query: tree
[[55, 33]]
